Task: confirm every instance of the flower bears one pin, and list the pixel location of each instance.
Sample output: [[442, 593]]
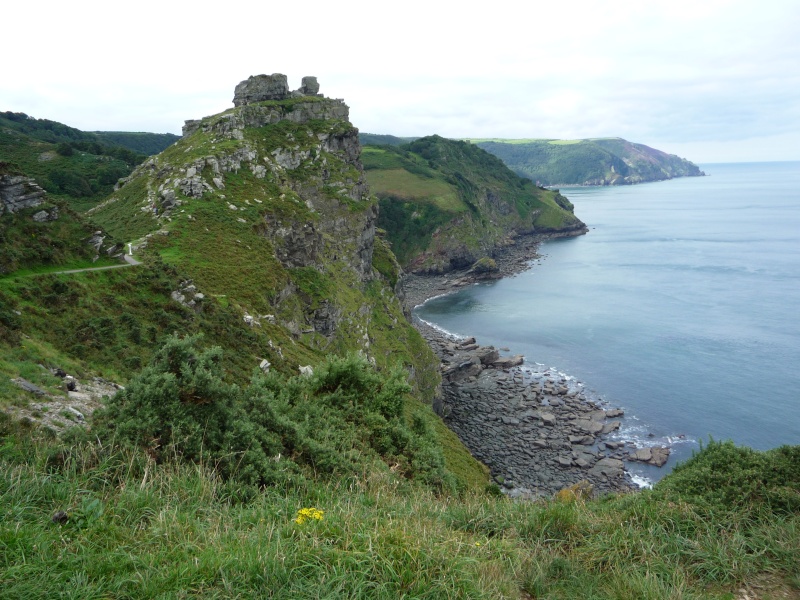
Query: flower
[[304, 514]]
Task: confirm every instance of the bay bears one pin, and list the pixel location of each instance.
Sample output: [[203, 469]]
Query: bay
[[681, 305]]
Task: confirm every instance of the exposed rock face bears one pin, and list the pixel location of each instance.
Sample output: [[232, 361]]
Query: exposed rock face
[[310, 86], [258, 88], [17, 192]]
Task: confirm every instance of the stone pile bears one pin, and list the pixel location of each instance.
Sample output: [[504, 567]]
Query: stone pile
[[536, 431]]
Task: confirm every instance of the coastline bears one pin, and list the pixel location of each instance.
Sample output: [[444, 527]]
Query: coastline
[[535, 428]]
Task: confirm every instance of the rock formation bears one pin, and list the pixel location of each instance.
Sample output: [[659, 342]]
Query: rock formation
[[258, 88], [18, 192]]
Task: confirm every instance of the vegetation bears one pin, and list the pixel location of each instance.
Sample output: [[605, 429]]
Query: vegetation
[[377, 139], [139, 142], [598, 161], [27, 244], [102, 520], [445, 203], [74, 166]]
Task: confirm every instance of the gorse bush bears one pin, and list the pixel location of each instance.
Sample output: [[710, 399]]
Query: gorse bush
[[337, 421]]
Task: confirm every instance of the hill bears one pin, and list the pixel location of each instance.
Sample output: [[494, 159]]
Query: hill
[[77, 167], [446, 204], [597, 161], [139, 142], [379, 139], [256, 230]]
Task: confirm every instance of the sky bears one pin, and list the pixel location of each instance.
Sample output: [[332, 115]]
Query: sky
[[708, 80]]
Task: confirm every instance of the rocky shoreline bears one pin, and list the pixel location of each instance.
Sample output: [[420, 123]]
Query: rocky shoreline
[[536, 429]]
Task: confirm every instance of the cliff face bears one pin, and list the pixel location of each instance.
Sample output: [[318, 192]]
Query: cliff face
[[266, 207], [446, 204]]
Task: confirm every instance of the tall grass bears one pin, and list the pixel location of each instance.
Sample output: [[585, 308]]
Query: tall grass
[[137, 529]]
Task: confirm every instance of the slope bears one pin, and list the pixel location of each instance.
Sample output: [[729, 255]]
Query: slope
[[256, 230], [598, 161], [446, 204]]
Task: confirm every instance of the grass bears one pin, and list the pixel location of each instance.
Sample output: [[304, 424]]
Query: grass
[[400, 183], [146, 530]]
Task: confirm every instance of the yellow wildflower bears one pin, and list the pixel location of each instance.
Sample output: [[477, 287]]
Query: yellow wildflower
[[304, 514]]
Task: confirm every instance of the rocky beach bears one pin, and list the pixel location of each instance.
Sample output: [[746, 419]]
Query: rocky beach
[[535, 428]]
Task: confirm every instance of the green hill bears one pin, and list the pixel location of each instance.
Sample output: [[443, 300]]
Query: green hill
[[77, 167], [379, 139], [597, 161], [446, 204], [140, 142]]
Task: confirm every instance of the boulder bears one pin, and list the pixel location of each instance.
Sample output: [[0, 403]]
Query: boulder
[[657, 455], [488, 355], [507, 362]]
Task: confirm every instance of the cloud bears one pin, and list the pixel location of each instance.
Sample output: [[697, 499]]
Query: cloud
[[712, 74]]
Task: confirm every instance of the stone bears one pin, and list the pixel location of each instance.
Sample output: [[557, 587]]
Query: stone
[[656, 455], [488, 355], [18, 192], [508, 362], [309, 86], [258, 88], [548, 418]]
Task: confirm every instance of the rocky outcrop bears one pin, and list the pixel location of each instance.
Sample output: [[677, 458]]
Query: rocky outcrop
[[18, 192], [259, 88], [536, 429]]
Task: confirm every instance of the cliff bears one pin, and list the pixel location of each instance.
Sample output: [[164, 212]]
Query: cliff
[[446, 204], [597, 161]]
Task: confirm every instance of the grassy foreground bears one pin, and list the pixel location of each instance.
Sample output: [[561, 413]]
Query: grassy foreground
[[138, 529]]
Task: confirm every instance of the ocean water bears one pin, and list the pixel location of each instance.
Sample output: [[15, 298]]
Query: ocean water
[[681, 305]]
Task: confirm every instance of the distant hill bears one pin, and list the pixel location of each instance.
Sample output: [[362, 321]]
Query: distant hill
[[141, 142], [78, 167], [446, 204], [597, 161], [380, 139]]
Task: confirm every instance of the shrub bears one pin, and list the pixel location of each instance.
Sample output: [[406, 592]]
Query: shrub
[[334, 422], [723, 475]]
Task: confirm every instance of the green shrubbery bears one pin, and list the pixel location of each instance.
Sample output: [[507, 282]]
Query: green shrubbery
[[735, 478], [337, 421]]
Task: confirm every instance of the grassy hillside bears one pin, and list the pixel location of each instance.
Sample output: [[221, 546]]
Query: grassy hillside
[[261, 239], [446, 204], [597, 161], [74, 166], [139, 142], [378, 139], [93, 521]]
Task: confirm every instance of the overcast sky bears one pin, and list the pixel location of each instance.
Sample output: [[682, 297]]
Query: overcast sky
[[709, 80]]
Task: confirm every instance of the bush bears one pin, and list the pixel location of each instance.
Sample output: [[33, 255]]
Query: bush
[[725, 476], [335, 422]]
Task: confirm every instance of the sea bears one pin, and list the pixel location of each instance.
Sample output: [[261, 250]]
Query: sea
[[681, 305]]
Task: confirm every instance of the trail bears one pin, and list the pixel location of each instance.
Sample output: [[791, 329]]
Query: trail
[[129, 262]]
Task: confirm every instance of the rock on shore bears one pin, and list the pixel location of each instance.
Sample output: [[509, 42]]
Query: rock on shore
[[534, 428]]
